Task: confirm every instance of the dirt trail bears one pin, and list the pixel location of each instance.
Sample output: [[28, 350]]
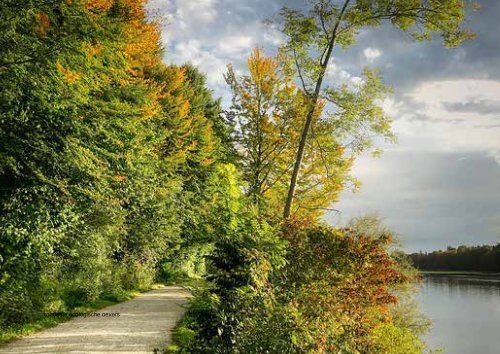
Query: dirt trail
[[143, 325]]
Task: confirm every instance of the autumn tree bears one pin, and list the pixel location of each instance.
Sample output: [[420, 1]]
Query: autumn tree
[[269, 109], [314, 35]]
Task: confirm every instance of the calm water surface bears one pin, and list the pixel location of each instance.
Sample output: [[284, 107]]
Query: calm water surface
[[465, 311]]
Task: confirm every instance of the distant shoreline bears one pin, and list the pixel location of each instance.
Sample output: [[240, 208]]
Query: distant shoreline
[[459, 272]]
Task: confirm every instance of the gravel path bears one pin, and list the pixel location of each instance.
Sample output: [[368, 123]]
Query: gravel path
[[140, 325]]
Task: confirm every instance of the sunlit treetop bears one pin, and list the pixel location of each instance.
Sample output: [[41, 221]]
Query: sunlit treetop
[[339, 22]]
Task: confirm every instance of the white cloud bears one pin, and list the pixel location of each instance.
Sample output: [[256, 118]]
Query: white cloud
[[231, 45], [274, 37], [496, 155], [211, 34], [391, 107], [371, 54], [203, 11], [446, 116], [357, 81], [439, 95], [336, 76], [193, 52]]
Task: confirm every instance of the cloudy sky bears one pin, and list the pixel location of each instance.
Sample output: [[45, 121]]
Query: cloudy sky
[[440, 185]]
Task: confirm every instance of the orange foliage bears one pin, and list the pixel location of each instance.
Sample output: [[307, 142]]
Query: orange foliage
[[142, 43], [102, 5], [42, 24], [348, 282], [142, 37]]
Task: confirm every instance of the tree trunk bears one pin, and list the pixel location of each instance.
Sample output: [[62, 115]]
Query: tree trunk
[[310, 116]]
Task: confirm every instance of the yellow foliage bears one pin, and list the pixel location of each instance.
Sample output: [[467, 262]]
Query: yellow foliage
[[178, 78], [92, 50], [271, 111], [142, 37], [184, 109], [262, 69], [70, 76], [207, 162], [141, 40], [149, 111]]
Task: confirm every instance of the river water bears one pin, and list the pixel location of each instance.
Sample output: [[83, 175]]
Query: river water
[[465, 311]]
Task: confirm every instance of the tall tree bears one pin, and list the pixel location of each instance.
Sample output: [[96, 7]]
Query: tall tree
[[269, 109], [313, 36]]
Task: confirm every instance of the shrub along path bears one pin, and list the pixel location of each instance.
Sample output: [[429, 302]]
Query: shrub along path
[[140, 325]]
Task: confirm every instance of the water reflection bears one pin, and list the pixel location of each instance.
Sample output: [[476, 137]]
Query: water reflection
[[465, 311]]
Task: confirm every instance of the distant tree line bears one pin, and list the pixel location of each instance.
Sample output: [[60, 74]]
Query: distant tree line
[[468, 258]]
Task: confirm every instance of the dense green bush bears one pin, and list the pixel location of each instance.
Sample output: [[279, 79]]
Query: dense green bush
[[304, 288]]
